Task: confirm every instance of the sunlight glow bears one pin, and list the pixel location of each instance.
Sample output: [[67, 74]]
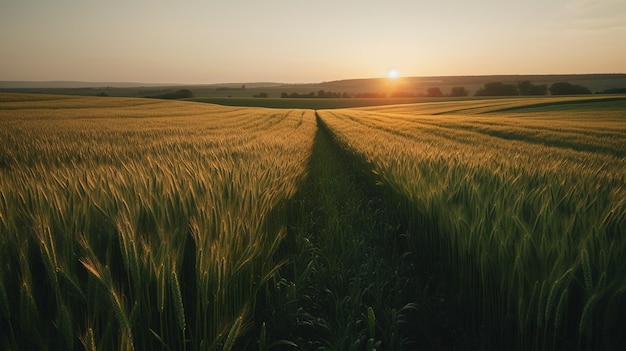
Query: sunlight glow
[[393, 73]]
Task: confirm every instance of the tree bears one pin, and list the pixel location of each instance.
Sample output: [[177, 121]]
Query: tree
[[528, 88], [434, 92], [459, 91], [184, 94], [497, 89], [565, 88]]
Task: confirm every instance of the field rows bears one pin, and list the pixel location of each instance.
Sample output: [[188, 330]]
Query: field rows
[[147, 224], [527, 211], [151, 200]]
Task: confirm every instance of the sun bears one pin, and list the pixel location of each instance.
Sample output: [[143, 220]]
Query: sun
[[393, 73]]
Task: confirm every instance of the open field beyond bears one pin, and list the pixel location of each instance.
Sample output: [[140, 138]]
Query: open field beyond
[[465, 224]]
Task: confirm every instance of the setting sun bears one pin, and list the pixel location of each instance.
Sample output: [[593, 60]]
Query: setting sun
[[393, 73]]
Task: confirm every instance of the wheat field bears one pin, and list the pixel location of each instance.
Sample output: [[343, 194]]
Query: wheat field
[[523, 200], [138, 223], [149, 224]]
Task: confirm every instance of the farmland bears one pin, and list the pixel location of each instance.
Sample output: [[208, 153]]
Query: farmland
[[525, 208], [138, 224], [148, 224]]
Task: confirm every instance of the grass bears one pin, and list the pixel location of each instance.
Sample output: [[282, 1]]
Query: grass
[[150, 224], [346, 286]]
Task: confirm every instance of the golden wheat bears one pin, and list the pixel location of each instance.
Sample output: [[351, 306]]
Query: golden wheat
[[526, 192], [117, 194]]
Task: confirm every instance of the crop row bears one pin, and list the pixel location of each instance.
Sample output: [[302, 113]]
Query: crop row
[[138, 224], [526, 212], [146, 224]]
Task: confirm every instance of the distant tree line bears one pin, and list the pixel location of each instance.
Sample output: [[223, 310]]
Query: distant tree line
[[297, 95], [527, 88], [524, 88], [564, 88], [430, 92], [322, 94], [319, 94]]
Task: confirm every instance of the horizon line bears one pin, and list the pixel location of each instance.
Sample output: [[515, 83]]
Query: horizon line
[[166, 84]]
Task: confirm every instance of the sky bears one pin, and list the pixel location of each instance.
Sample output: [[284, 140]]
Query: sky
[[293, 41]]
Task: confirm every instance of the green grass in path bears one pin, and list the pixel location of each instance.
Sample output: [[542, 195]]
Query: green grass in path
[[349, 285]]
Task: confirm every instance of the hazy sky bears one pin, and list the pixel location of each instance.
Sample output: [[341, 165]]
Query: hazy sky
[[193, 41]]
